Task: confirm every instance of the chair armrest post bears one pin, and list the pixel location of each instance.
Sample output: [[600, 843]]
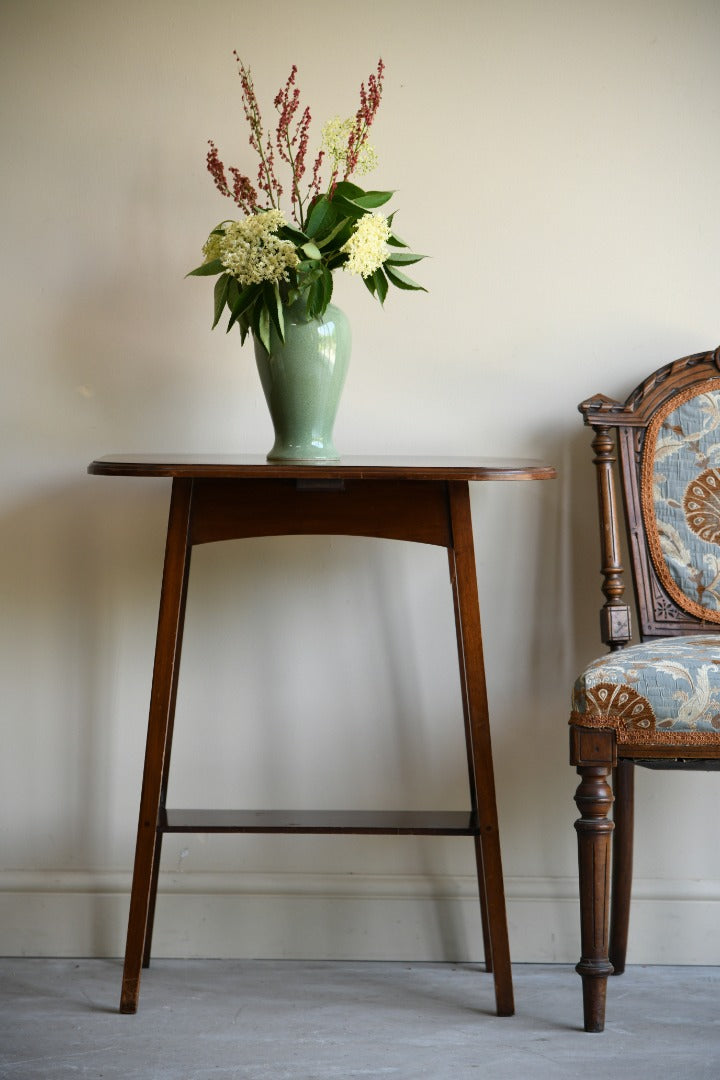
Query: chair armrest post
[[615, 627]]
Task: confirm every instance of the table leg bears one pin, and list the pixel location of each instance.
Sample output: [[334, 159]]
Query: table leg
[[482, 781], [166, 770], [162, 703], [152, 898], [487, 947]]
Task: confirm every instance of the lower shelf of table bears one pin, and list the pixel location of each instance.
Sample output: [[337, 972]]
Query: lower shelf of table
[[388, 822]]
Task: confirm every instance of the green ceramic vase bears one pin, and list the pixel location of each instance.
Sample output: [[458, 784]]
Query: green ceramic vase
[[302, 380]]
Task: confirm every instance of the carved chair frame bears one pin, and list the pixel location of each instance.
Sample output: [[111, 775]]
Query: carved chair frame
[[596, 752]]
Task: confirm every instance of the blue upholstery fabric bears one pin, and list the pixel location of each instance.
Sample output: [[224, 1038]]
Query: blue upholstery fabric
[[681, 502], [659, 693]]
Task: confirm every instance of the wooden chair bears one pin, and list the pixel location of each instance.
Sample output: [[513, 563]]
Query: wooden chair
[[656, 703]]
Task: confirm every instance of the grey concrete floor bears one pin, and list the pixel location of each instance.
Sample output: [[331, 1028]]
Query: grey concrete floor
[[290, 1020]]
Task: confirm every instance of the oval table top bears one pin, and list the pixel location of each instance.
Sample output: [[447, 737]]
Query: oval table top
[[256, 466]]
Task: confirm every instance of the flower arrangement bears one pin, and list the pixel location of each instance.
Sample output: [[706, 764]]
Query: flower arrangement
[[265, 262]]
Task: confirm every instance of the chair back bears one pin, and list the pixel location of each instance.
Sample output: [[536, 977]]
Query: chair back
[[668, 444]]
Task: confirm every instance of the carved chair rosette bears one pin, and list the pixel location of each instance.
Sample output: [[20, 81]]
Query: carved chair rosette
[[656, 702]]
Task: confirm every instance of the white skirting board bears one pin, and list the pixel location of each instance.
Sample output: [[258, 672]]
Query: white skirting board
[[306, 916]]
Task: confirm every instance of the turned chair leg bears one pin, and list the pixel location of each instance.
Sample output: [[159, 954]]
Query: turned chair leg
[[622, 860], [593, 752]]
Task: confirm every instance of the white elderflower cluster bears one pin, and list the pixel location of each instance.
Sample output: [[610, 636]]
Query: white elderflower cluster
[[212, 249], [366, 248], [335, 136], [251, 251]]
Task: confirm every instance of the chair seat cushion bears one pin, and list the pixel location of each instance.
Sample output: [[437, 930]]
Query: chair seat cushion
[[660, 693]]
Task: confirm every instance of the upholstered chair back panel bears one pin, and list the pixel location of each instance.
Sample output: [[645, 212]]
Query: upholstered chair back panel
[[680, 497]]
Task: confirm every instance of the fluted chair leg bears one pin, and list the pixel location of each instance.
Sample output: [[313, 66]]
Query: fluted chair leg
[[593, 754], [622, 862], [594, 829]]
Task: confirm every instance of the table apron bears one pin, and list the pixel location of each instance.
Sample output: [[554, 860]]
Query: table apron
[[230, 509]]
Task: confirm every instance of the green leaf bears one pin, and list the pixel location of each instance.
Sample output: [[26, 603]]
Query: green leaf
[[232, 299], [370, 285], [241, 303], [222, 286], [309, 274], [342, 224], [263, 327], [333, 253], [348, 190], [327, 281], [371, 199], [289, 232], [395, 241], [273, 303], [401, 280], [322, 216], [380, 282], [403, 258], [358, 204], [319, 294], [349, 207], [315, 299], [215, 266], [311, 250]]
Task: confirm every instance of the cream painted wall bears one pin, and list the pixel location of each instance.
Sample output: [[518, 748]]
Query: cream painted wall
[[559, 161]]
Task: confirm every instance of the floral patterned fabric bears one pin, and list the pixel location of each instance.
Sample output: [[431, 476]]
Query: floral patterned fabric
[[681, 501], [658, 693]]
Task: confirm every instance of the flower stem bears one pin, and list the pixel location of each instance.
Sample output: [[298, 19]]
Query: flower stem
[[296, 198]]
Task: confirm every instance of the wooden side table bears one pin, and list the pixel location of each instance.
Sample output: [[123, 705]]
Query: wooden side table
[[230, 497]]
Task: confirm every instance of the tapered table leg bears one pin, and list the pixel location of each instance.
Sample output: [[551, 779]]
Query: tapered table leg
[[487, 947], [162, 701], [166, 770], [482, 781]]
